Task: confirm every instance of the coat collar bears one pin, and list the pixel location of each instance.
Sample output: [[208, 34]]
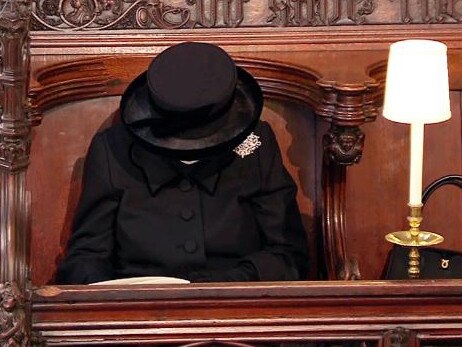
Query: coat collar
[[159, 171]]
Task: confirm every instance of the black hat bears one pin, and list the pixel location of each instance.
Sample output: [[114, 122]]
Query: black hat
[[192, 102]]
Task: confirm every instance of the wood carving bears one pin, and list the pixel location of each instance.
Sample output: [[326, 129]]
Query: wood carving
[[12, 317], [344, 146], [14, 158], [438, 11], [207, 15], [142, 14], [75, 15], [346, 108], [400, 337], [107, 14], [319, 12], [14, 127]]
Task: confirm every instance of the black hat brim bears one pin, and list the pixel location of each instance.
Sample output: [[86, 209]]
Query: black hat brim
[[237, 122]]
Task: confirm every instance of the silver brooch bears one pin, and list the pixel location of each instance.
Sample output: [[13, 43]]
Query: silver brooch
[[248, 146]]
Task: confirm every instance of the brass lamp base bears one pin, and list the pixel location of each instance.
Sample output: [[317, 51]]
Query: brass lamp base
[[414, 238], [423, 239]]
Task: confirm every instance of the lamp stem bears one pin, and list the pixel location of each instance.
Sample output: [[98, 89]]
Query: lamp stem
[[415, 219], [416, 164], [413, 270]]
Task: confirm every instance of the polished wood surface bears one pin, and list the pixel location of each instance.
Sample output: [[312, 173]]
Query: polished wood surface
[[215, 314]]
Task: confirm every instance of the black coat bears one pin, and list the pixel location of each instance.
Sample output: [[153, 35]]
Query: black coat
[[226, 218]]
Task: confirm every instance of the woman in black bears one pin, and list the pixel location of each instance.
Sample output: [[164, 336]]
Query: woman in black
[[190, 185]]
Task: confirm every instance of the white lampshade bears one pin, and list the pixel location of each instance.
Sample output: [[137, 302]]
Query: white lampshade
[[417, 87]]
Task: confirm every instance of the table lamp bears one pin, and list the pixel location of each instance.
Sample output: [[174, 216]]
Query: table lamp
[[416, 93]]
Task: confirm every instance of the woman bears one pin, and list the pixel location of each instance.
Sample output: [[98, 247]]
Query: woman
[[190, 185]]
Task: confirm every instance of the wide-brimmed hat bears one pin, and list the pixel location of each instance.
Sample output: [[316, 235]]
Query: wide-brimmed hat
[[192, 102]]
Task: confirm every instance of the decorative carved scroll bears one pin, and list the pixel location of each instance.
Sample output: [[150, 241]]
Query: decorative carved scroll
[[140, 14], [74, 15], [107, 14]]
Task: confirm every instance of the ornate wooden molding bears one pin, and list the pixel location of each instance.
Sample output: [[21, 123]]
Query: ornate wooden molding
[[342, 146], [14, 158], [339, 266], [14, 126], [72, 15], [247, 313], [346, 107], [100, 76], [66, 82]]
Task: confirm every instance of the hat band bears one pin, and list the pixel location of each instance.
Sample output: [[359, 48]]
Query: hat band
[[173, 122]]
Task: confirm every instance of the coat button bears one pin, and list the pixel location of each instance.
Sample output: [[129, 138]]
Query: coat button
[[185, 185], [187, 214], [190, 246]]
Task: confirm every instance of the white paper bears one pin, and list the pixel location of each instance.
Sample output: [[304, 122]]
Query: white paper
[[143, 280]]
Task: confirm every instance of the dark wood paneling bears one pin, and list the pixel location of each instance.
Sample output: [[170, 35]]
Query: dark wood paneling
[[58, 151]]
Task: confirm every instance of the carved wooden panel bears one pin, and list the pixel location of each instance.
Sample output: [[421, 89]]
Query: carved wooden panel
[[74, 15], [14, 158]]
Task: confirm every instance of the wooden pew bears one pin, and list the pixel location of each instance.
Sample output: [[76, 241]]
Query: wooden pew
[[322, 68]]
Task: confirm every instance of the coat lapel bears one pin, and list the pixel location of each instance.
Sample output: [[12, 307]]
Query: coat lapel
[[160, 171], [155, 169]]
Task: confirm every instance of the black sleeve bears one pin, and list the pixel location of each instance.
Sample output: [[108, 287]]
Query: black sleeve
[[284, 255], [90, 248]]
